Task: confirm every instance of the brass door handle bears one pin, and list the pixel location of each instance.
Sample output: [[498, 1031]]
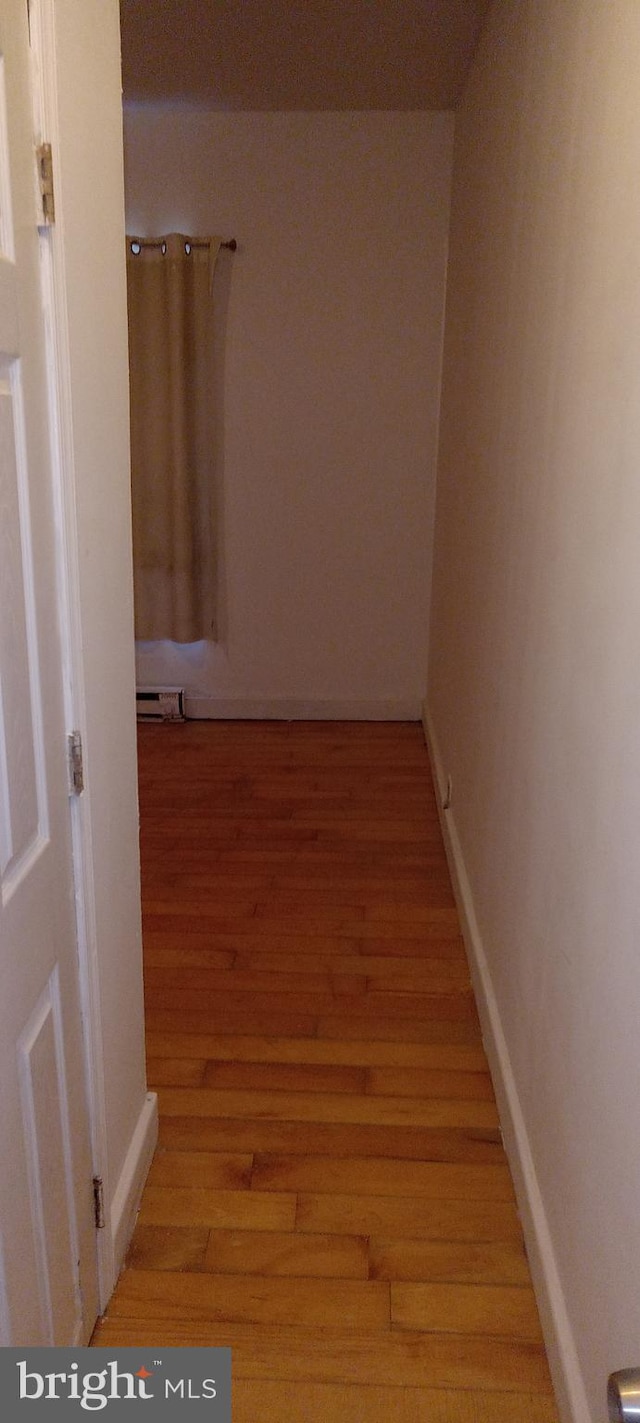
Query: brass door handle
[[623, 1396]]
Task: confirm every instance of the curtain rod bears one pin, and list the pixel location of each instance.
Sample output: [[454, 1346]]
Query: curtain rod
[[231, 245]]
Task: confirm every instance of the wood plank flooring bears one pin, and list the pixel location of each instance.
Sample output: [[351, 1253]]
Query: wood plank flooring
[[330, 1196]]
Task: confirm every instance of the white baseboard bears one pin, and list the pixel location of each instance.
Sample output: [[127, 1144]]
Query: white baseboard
[[300, 709], [561, 1349], [126, 1198]]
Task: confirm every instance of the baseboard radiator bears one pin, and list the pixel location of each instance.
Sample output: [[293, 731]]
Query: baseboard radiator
[[160, 703]]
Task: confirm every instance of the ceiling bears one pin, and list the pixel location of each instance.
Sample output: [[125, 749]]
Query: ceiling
[[299, 54]]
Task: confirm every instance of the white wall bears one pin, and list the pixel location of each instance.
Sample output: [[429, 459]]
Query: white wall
[[332, 367], [86, 129], [534, 688]]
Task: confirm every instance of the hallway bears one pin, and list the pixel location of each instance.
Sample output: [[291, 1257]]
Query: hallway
[[330, 1196]]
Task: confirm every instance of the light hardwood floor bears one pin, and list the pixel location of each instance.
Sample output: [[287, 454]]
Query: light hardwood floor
[[330, 1196]]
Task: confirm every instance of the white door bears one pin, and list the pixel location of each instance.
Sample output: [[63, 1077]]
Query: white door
[[47, 1236]]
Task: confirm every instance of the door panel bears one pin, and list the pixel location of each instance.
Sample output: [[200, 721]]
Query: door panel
[[47, 1131], [48, 1239], [22, 784]]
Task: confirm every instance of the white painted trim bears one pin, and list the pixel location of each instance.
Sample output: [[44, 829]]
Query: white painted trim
[[300, 709], [128, 1191], [561, 1348], [54, 288]]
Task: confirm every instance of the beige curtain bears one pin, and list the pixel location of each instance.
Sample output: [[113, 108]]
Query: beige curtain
[[169, 286]]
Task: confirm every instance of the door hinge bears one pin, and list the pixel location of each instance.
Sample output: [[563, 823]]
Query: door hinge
[[76, 763], [98, 1202], [45, 182]]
